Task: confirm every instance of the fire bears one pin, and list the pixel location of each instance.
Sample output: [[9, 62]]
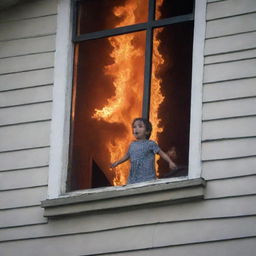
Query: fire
[[156, 95], [127, 71]]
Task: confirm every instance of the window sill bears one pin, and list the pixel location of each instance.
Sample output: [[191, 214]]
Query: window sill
[[148, 193]]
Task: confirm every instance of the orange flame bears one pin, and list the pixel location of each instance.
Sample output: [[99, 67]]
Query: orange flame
[[156, 95], [127, 74]]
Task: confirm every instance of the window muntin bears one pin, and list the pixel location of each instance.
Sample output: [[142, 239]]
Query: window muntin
[[148, 29]]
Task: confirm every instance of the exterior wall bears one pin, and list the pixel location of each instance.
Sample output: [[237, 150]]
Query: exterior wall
[[221, 224]]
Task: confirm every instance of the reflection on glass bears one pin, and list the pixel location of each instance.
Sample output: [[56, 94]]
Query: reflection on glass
[[170, 93], [172, 8], [107, 96], [96, 15]]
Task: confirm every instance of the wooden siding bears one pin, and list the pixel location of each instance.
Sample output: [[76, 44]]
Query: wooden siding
[[30, 10], [22, 217], [228, 168], [26, 158], [27, 46], [229, 103], [231, 43], [25, 113], [26, 96], [19, 179], [208, 209], [231, 25], [26, 79], [238, 107], [229, 90], [138, 238], [26, 28], [223, 8], [22, 47], [221, 224], [229, 97]]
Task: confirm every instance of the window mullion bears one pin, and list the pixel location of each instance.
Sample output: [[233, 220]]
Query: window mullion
[[147, 73], [74, 17], [110, 32]]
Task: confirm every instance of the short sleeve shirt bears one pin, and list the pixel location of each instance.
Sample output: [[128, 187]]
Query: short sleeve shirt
[[142, 157]]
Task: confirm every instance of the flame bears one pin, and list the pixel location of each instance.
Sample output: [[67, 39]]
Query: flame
[[156, 95], [125, 104]]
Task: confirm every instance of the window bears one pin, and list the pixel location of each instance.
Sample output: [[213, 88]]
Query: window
[[131, 58], [171, 20]]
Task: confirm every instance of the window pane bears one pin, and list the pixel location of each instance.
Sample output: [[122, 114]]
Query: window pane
[[96, 15], [107, 96], [170, 93], [172, 8]]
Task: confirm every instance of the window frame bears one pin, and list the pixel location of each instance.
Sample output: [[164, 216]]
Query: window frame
[[148, 27], [62, 97]]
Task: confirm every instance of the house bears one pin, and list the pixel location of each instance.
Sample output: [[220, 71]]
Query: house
[[211, 211]]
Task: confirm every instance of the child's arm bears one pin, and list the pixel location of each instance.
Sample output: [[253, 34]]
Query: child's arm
[[123, 159], [172, 165]]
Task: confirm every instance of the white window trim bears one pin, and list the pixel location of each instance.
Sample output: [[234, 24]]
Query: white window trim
[[62, 91]]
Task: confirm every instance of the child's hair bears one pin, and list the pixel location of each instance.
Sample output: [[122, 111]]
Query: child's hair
[[147, 124]]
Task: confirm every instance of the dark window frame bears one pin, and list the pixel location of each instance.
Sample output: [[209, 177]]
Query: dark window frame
[[147, 26]]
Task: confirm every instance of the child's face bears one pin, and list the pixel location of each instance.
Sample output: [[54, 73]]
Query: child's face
[[139, 130]]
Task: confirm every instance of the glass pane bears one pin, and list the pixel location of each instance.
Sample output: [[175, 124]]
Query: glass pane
[[96, 15], [107, 96], [170, 94], [172, 8]]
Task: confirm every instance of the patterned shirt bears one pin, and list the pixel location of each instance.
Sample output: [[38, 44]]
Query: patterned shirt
[[142, 157]]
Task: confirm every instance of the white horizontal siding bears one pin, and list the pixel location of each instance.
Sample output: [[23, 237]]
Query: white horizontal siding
[[26, 79], [28, 158], [229, 148], [26, 63], [230, 43], [23, 178], [22, 197], [22, 217], [189, 211], [241, 55], [231, 25], [229, 128], [239, 186], [230, 70], [35, 27], [27, 46], [31, 9], [229, 90], [25, 113], [228, 8], [24, 136], [229, 108], [222, 169], [26, 96], [154, 236], [233, 247]]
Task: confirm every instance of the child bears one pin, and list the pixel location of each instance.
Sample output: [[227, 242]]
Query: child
[[142, 153]]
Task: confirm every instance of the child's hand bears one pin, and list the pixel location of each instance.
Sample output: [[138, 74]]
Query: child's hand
[[172, 165]]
